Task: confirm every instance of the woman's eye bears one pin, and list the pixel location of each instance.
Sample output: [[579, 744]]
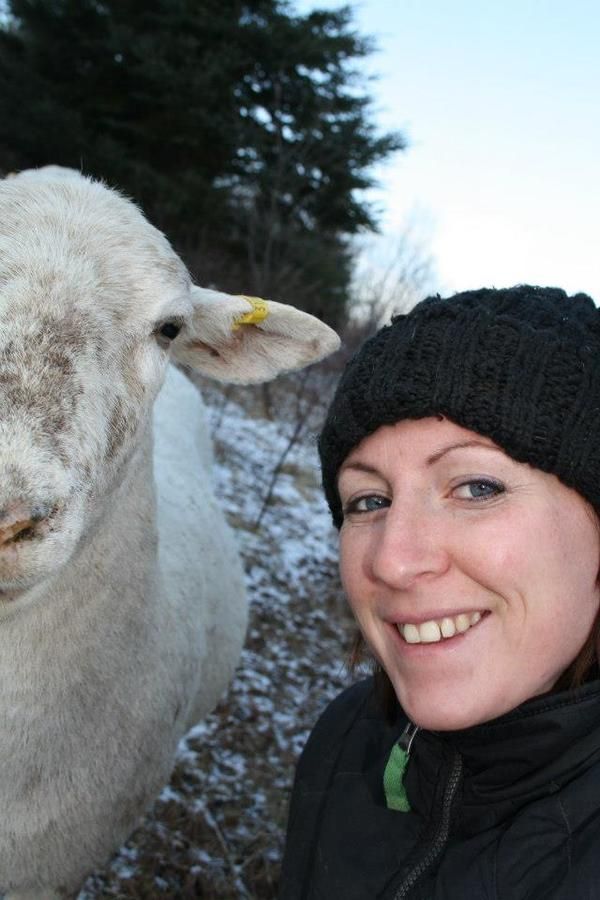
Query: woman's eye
[[478, 489], [366, 504]]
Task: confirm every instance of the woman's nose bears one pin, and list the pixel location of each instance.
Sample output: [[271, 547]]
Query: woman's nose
[[411, 545]]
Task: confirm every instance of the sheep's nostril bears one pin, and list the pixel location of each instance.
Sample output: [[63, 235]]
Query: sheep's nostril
[[21, 522], [17, 531]]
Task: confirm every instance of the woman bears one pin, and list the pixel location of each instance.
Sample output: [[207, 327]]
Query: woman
[[461, 463]]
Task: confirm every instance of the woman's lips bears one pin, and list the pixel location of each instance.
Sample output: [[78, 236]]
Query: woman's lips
[[436, 630]]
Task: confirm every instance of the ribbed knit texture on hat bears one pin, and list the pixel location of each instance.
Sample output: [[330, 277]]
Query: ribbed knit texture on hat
[[520, 366]]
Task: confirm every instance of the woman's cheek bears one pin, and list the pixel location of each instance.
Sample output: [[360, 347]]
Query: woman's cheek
[[352, 562]]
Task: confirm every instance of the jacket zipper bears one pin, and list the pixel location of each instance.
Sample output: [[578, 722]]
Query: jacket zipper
[[407, 737], [442, 833]]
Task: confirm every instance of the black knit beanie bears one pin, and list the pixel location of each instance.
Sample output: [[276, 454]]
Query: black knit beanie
[[520, 366]]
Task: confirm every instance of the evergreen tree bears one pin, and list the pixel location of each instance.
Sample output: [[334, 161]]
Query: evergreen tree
[[240, 127]]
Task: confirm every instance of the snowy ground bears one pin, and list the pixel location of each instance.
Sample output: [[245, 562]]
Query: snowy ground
[[217, 830]]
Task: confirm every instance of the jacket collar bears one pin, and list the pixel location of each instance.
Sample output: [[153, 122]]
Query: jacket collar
[[527, 754]]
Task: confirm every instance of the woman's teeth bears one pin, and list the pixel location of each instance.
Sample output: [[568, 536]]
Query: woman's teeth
[[438, 629]]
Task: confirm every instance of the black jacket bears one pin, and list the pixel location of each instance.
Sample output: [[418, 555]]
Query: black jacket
[[509, 810]]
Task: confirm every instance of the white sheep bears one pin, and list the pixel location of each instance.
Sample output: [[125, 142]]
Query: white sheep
[[122, 610]]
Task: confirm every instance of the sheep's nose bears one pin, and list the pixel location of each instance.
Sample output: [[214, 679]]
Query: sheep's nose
[[18, 521]]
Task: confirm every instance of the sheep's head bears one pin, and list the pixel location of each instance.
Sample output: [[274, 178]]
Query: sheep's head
[[93, 302]]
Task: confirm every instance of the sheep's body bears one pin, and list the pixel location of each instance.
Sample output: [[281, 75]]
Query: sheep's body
[[191, 525], [122, 612]]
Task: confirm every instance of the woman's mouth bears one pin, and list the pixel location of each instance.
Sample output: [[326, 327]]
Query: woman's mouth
[[435, 630]]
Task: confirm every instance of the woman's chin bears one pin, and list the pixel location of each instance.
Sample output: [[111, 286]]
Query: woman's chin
[[435, 722], [447, 713]]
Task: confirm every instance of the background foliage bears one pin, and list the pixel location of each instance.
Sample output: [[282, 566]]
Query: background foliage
[[242, 129]]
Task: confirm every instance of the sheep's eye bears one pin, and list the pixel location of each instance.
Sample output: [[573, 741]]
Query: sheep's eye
[[169, 330]]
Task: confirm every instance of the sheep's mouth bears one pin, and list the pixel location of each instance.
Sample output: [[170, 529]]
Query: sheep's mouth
[[8, 595]]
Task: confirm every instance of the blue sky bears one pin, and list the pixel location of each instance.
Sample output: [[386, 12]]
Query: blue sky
[[501, 106]]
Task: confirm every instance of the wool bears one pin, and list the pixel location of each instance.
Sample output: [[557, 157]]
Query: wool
[[519, 365]]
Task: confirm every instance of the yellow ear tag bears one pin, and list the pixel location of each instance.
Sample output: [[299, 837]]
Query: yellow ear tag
[[260, 311]]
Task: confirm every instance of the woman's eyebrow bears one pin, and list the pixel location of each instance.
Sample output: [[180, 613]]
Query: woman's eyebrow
[[472, 443], [358, 466]]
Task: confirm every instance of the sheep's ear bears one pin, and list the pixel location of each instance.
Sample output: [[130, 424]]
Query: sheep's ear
[[246, 340]]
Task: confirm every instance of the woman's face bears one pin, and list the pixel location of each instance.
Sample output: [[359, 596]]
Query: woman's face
[[473, 578]]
